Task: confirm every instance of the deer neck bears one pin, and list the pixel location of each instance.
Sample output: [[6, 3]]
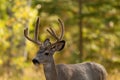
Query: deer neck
[[50, 71]]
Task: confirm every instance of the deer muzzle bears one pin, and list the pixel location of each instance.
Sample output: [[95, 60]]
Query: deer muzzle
[[35, 61]]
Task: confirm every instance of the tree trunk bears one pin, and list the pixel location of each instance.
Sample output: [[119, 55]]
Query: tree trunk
[[80, 31]]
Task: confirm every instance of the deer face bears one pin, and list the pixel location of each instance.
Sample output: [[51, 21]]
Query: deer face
[[45, 53], [47, 49]]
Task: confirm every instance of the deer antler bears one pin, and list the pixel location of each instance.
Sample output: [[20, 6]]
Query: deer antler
[[62, 29], [35, 40], [52, 32]]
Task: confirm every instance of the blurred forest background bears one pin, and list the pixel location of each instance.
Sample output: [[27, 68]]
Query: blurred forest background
[[92, 33]]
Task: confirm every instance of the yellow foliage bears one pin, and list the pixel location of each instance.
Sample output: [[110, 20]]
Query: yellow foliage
[[1, 62]]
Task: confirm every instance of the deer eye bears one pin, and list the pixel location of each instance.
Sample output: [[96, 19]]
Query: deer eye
[[47, 54], [53, 47]]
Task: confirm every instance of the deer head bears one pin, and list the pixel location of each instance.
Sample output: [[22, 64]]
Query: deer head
[[47, 49]]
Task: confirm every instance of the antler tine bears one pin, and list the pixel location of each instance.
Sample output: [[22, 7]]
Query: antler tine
[[35, 40], [36, 30], [52, 32], [62, 28], [26, 35]]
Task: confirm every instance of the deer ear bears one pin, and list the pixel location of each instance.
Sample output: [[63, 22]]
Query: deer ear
[[59, 46], [47, 42]]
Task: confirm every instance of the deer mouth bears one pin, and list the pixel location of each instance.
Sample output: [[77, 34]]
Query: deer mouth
[[35, 62]]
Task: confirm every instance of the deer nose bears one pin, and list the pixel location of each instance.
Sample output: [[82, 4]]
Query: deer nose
[[35, 61]]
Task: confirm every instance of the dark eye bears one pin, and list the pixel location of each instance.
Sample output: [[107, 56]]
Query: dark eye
[[53, 47], [47, 54]]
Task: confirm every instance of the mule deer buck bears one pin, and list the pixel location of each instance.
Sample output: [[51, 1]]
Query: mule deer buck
[[80, 71]]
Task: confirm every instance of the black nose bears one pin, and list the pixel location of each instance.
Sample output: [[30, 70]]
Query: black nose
[[35, 61]]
